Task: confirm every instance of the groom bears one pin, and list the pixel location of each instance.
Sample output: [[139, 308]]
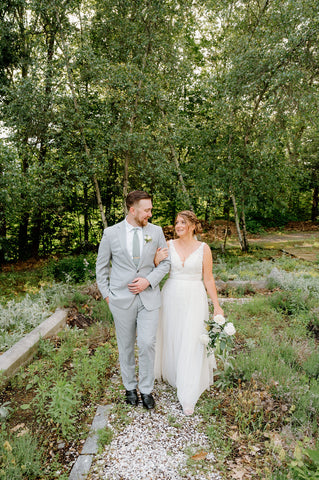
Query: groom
[[129, 282]]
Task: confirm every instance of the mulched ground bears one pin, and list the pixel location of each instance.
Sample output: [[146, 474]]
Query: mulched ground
[[77, 319]]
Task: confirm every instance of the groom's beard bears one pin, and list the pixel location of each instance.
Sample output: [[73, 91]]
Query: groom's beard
[[142, 223]]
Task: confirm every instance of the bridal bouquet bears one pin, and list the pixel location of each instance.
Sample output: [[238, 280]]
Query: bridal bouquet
[[219, 334]]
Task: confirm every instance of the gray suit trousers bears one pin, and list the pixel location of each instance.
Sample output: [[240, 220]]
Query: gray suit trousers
[[131, 323]]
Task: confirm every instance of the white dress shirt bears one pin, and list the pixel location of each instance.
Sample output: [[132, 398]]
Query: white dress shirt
[[129, 238]]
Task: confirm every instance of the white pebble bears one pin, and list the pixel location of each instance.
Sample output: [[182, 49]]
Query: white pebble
[[150, 448]]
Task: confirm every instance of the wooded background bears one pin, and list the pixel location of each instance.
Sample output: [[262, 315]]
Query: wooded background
[[210, 105]]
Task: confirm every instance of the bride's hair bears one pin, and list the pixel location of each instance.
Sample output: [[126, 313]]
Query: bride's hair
[[191, 218]]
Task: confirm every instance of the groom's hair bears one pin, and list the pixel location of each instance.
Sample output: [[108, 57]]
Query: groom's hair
[[136, 196]]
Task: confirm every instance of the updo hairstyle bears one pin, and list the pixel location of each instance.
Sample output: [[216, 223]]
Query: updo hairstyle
[[190, 217]]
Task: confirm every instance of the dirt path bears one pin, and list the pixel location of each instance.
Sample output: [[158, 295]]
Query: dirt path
[[285, 237], [302, 245]]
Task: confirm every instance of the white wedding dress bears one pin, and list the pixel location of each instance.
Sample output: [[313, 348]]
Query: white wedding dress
[[181, 359]]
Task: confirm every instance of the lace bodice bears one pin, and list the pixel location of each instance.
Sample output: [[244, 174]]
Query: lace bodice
[[192, 267]]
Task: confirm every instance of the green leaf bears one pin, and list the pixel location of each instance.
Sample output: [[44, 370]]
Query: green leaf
[[313, 455]]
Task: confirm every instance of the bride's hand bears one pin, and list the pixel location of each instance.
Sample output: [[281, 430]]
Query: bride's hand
[[218, 311], [161, 254]]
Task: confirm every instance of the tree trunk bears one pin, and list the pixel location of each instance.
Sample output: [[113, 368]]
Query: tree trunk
[[3, 233], [23, 244], [86, 215], [315, 204], [181, 178], [127, 156], [227, 230], [240, 238], [179, 171], [243, 220], [223, 245], [99, 199], [125, 180], [3, 227], [50, 30], [36, 234]]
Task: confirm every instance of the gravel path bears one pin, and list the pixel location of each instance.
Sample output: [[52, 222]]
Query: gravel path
[[158, 444]]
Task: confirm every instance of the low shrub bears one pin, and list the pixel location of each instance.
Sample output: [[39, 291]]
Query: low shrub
[[78, 269], [289, 303], [19, 318], [21, 456], [68, 376], [300, 283], [311, 365]]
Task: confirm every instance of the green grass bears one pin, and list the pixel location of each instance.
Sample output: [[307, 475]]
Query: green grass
[[67, 377], [105, 436], [258, 263], [14, 285]]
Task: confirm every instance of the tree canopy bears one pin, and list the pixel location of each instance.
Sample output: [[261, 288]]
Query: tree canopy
[[207, 105]]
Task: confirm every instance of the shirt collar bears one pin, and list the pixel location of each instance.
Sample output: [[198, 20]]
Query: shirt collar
[[130, 227]]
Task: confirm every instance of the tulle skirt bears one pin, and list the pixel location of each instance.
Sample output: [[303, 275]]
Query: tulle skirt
[[181, 359]]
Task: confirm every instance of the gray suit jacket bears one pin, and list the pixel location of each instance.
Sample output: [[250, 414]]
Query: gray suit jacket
[[115, 268]]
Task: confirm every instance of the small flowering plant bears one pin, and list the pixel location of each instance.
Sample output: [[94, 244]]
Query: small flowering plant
[[147, 238], [219, 334]]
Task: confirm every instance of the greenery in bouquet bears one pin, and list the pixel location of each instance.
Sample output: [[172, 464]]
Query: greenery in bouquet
[[220, 334]]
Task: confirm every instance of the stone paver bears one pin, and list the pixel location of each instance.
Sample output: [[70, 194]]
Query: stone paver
[[83, 463]]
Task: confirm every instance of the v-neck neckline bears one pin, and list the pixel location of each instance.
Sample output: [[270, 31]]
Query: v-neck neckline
[[183, 263]]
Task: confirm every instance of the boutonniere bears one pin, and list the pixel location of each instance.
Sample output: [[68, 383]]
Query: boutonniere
[[147, 238]]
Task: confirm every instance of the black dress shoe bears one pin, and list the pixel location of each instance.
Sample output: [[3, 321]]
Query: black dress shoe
[[148, 400], [131, 397]]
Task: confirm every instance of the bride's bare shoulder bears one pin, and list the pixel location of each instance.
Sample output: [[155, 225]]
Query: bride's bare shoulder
[[198, 243], [206, 247]]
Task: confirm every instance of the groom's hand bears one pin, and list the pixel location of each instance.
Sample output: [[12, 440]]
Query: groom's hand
[[138, 285]]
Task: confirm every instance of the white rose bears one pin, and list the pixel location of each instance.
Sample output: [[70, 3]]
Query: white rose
[[204, 339], [219, 319], [229, 329]]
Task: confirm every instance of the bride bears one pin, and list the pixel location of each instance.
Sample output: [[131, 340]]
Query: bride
[[180, 358]]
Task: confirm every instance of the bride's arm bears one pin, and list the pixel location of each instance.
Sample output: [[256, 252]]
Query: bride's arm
[[161, 254], [209, 280]]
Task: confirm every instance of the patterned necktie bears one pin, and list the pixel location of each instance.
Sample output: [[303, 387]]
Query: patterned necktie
[[136, 247]]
